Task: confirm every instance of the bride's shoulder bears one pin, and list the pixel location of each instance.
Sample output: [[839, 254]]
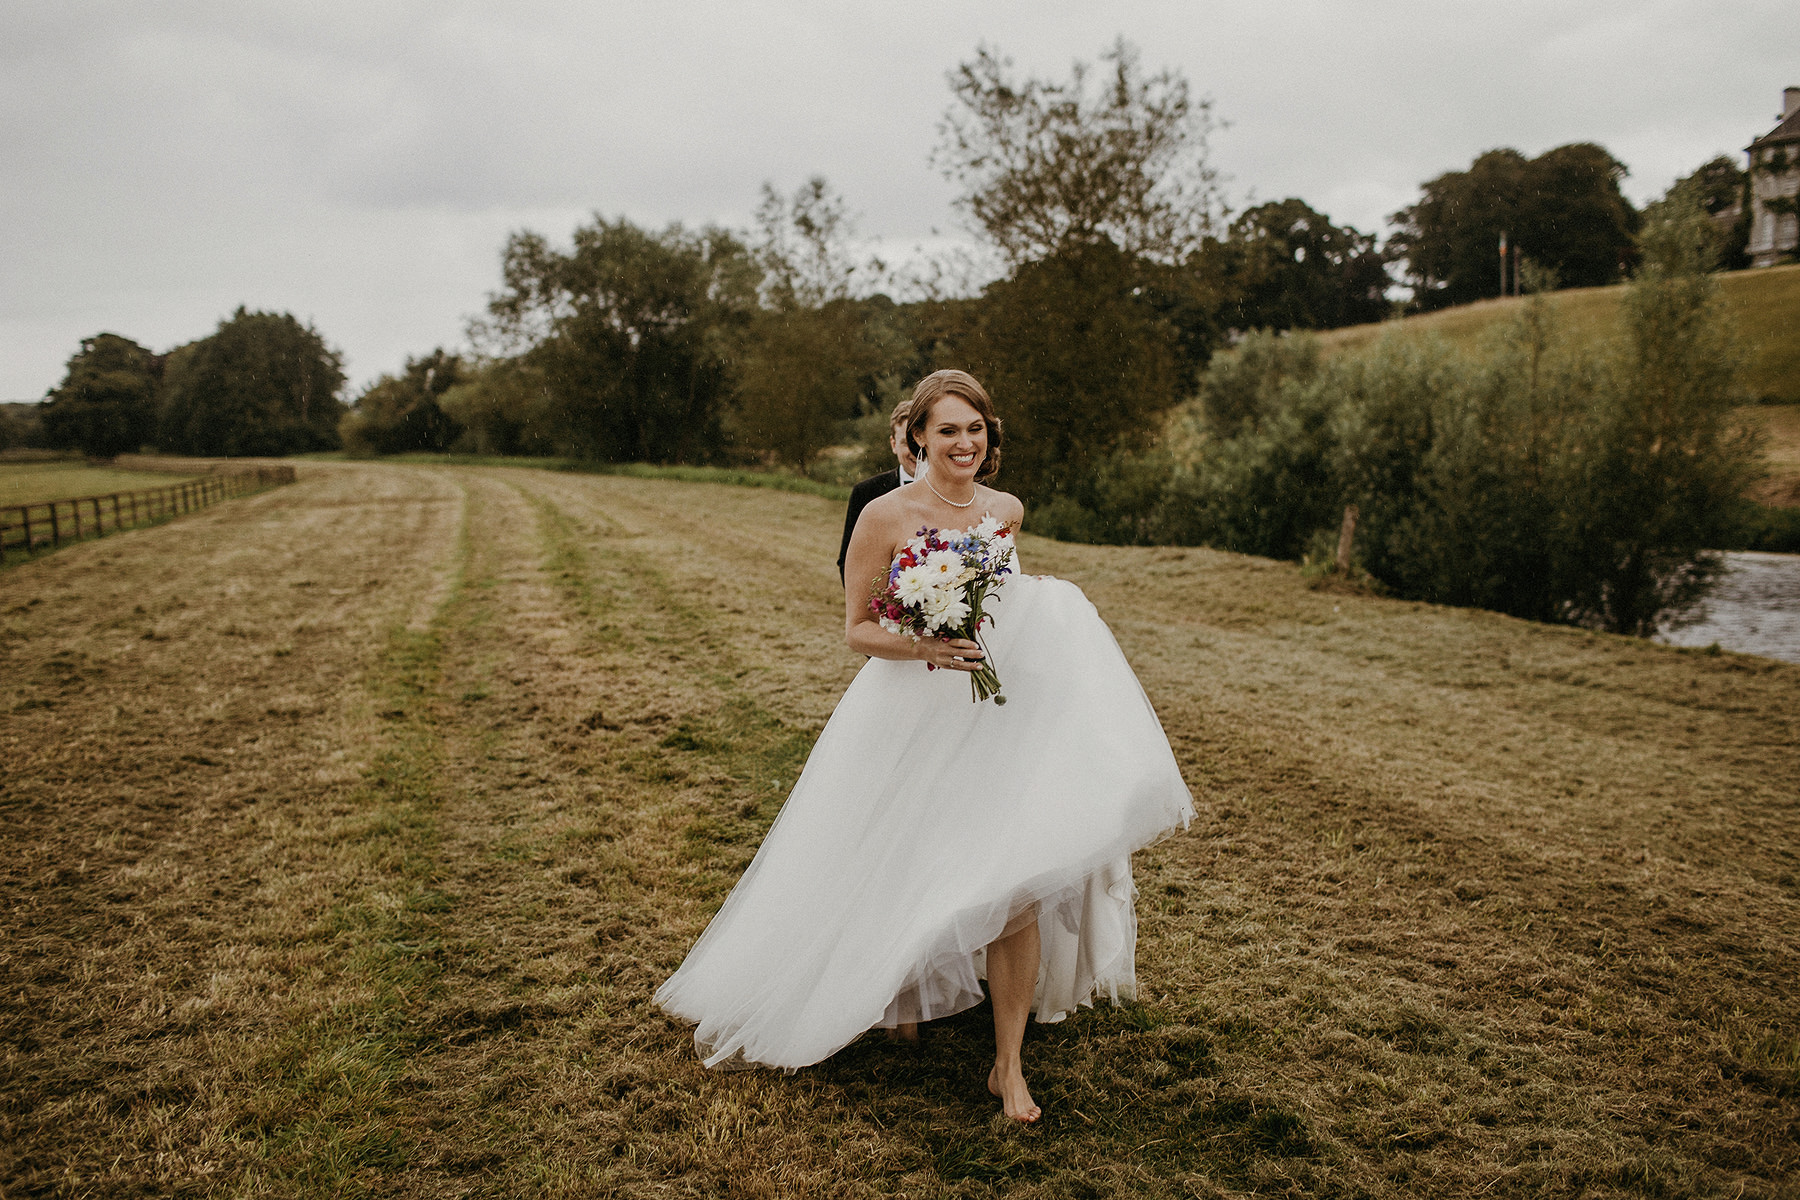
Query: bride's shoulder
[[889, 505], [1004, 507]]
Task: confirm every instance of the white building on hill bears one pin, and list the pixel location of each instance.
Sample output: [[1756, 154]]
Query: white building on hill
[[1774, 185]]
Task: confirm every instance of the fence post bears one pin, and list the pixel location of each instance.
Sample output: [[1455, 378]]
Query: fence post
[[55, 526], [1346, 536], [25, 515]]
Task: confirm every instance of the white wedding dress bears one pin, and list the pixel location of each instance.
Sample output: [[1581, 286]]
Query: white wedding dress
[[922, 823]]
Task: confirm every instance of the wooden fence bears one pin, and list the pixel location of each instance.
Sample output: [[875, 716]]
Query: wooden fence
[[52, 522]]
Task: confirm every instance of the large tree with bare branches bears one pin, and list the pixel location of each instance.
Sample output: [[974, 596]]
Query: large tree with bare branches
[[1109, 154]]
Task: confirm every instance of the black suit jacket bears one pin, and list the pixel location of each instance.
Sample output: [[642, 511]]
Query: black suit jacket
[[860, 495]]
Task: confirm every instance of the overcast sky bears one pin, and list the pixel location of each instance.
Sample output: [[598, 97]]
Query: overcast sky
[[360, 164]]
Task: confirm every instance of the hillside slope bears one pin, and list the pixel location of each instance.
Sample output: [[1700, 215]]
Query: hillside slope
[[1765, 305]]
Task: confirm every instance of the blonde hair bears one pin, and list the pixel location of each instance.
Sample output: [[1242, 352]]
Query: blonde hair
[[935, 387]]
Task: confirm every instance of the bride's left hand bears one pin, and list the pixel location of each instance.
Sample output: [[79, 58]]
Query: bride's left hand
[[954, 654]]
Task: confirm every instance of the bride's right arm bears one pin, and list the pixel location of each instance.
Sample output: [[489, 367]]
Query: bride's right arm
[[872, 548]]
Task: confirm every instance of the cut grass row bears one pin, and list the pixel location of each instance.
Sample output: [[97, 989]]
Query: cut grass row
[[1472, 906]]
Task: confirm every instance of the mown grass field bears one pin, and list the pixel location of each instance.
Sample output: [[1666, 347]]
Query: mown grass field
[[37, 482], [1780, 425], [1764, 304], [349, 827]]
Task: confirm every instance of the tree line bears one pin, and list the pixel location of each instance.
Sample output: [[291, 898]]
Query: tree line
[[1125, 288], [1549, 477], [1122, 272], [260, 384], [1122, 275]]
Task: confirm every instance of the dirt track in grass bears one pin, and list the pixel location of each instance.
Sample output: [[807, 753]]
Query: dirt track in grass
[[348, 827]]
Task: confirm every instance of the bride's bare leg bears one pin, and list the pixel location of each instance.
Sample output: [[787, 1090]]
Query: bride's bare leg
[[1012, 968], [906, 1031]]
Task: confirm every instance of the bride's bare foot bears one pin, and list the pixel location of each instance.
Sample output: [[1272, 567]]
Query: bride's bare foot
[[906, 1031], [1015, 1097]]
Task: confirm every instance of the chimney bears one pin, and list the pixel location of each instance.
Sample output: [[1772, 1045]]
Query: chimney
[[1790, 102]]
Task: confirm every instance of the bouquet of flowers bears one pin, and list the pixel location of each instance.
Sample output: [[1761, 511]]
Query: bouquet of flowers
[[937, 586]]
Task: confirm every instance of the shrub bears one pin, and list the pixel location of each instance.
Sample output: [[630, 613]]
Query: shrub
[[1536, 478], [400, 415]]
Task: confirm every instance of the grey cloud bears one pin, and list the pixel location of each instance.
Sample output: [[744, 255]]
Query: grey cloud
[[161, 163]]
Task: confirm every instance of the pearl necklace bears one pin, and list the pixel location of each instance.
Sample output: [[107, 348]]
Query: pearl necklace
[[946, 499]]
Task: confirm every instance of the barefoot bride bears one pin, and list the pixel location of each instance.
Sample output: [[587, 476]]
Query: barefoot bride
[[932, 841]]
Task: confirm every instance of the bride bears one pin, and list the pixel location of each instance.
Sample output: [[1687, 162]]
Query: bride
[[931, 841]]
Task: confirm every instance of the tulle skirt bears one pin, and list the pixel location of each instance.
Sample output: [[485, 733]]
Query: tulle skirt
[[923, 824]]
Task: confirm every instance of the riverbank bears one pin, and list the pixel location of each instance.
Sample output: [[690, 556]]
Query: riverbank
[[1754, 610]]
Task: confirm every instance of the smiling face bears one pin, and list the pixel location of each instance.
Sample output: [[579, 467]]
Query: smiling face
[[955, 438], [948, 405], [902, 452]]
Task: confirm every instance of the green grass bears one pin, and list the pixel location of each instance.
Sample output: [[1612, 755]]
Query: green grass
[[725, 475], [1765, 304], [731, 477], [1780, 428], [36, 483]]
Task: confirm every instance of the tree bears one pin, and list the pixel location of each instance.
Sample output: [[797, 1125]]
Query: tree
[[502, 406], [629, 332], [395, 415], [1050, 166], [22, 425], [1720, 189], [803, 246], [106, 404], [1669, 464], [1095, 196], [261, 384], [811, 355], [1563, 209], [799, 373], [1078, 363], [1289, 267]]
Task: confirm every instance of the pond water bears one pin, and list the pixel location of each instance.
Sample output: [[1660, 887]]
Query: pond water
[[1755, 609]]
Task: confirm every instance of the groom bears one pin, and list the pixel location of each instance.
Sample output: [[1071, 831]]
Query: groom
[[887, 481]]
